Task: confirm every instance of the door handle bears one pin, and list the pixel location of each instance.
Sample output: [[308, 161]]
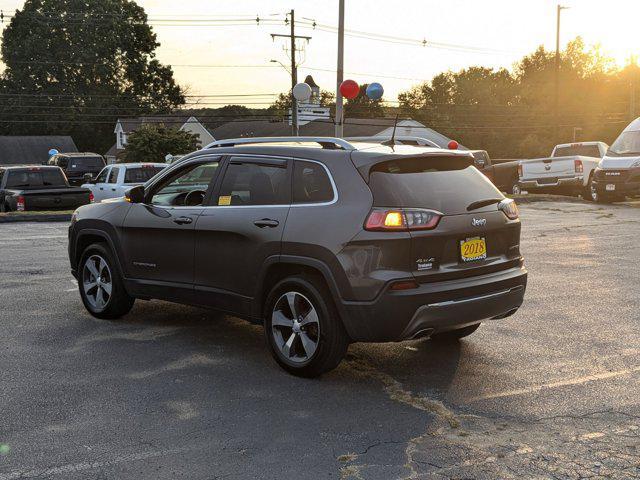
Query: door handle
[[183, 220], [266, 222], [113, 189]]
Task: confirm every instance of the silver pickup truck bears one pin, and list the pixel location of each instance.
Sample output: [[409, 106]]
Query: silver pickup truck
[[569, 170]]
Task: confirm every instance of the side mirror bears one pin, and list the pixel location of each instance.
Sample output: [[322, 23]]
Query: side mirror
[[88, 178], [135, 194]]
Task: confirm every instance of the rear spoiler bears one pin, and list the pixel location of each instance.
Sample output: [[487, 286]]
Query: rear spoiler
[[442, 161]]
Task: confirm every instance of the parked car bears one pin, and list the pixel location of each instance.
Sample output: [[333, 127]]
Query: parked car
[[26, 188], [77, 165], [503, 174], [323, 246], [618, 175], [569, 170], [114, 180]]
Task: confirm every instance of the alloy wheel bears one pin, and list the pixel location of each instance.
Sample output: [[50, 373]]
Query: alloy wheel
[[97, 282], [295, 327]]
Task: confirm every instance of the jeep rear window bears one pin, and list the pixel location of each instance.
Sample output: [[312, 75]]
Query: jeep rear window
[[86, 162], [448, 185]]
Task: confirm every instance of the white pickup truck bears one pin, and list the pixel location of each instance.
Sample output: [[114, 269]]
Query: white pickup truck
[[114, 180], [569, 169]]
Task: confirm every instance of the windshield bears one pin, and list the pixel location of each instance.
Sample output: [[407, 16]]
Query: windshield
[[35, 178], [627, 144], [141, 174], [582, 150]]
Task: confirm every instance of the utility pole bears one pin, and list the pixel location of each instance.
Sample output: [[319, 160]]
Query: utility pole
[[633, 69], [340, 72], [295, 130], [557, 79]]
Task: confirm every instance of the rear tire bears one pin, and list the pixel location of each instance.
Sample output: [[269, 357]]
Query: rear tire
[[516, 189], [455, 335], [100, 284], [302, 327]]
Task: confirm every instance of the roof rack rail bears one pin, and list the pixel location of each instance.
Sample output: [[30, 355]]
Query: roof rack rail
[[421, 141], [329, 143]]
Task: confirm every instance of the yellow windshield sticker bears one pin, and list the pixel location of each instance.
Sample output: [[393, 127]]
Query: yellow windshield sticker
[[224, 200]]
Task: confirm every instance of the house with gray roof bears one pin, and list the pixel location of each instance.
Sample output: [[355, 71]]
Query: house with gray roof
[[125, 126], [32, 150]]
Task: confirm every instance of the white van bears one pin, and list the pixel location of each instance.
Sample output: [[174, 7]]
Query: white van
[[618, 175]]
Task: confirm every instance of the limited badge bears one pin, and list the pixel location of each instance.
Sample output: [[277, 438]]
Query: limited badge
[[224, 200]]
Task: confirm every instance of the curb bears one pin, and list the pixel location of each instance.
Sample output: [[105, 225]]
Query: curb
[[54, 217]]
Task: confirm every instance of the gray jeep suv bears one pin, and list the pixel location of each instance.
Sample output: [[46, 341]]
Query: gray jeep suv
[[322, 241]]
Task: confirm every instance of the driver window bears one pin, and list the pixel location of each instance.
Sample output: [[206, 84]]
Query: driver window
[[102, 177], [187, 187]]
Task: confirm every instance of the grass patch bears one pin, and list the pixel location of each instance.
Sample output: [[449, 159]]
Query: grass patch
[[38, 212]]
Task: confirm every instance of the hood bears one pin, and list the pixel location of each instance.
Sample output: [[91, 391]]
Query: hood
[[611, 163]]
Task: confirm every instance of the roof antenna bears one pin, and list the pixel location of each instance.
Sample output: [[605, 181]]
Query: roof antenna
[[392, 141]]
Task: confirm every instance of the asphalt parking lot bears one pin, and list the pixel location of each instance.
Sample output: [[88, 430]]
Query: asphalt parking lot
[[179, 392]]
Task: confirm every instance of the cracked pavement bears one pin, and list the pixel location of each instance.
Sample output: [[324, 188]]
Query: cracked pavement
[[178, 392]]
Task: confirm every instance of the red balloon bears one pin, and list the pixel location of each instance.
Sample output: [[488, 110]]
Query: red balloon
[[453, 145], [349, 89]]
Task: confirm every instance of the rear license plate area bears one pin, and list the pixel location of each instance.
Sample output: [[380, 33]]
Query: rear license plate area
[[610, 187], [473, 249]]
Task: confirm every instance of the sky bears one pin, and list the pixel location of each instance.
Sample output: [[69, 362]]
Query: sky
[[495, 33]]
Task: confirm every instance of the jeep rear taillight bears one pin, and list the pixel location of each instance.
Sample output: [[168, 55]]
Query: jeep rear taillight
[[401, 220], [20, 203], [509, 208], [578, 166]]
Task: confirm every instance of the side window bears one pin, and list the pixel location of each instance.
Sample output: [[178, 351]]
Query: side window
[[311, 183], [1, 177], [113, 175], [186, 187], [254, 184], [62, 162], [102, 176]]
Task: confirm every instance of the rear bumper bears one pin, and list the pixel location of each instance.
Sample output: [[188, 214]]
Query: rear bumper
[[541, 184], [625, 188], [436, 307]]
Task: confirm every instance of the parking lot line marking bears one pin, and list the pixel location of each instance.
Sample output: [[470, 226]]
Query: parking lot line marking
[[561, 383], [84, 466], [22, 239]]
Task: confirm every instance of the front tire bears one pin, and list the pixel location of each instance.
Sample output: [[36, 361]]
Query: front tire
[[590, 191], [101, 286], [455, 335], [516, 189], [302, 327]]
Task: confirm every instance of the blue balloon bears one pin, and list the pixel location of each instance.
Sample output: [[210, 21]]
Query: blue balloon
[[53, 152], [375, 91]]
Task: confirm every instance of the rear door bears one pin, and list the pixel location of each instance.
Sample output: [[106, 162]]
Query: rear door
[[450, 188], [241, 227]]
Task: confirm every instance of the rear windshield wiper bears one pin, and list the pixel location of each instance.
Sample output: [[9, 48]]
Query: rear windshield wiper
[[483, 203]]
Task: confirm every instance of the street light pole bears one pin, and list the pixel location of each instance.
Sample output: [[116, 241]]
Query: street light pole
[[340, 72], [557, 78]]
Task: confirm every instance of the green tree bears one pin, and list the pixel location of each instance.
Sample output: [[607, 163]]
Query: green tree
[[75, 66], [153, 142]]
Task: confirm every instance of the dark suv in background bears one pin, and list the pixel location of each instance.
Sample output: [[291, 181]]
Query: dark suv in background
[[324, 246], [78, 166]]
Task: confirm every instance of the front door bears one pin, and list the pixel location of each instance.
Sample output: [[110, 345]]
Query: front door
[[100, 185], [158, 235], [240, 229]]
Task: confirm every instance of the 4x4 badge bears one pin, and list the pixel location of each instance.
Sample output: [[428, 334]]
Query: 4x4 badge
[[479, 222]]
